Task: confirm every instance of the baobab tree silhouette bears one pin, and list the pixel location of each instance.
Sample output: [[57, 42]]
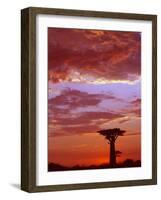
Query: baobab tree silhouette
[[111, 135]]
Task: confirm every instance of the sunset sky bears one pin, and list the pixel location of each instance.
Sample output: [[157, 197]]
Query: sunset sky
[[94, 83]]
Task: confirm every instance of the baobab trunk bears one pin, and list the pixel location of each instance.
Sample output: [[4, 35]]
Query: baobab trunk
[[111, 135], [112, 154]]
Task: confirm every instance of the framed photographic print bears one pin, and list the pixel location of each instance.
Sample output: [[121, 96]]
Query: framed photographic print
[[89, 99]]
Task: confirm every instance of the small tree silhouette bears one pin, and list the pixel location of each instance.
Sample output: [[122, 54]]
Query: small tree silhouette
[[111, 135]]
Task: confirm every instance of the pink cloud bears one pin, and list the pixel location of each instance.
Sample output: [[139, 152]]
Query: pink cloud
[[65, 122]]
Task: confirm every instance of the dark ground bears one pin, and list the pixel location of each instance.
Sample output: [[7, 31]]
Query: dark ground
[[126, 163]]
